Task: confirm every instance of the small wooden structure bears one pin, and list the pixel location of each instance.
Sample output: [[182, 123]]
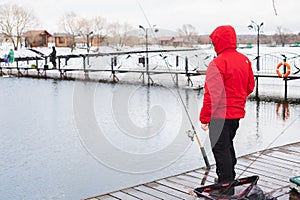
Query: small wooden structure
[[273, 166], [96, 40], [62, 39], [166, 41], [171, 41], [36, 38], [178, 42]]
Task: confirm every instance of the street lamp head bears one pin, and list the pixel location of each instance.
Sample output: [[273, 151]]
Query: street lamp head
[[140, 26], [261, 24], [156, 30], [250, 27]]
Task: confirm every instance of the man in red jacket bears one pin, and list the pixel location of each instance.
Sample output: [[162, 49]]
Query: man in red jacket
[[229, 80]]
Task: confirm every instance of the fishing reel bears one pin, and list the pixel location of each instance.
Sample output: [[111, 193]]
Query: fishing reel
[[190, 134]]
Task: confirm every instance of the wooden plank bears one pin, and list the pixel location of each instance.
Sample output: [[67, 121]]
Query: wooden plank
[[123, 196], [260, 163], [279, 192], [170, 190], [139, 194], [211, 172], [190, 179], [106, 197], [288, 151], [284, 149], [265, 175], [296, 144], [284, 156], [275, 160], [154, 192], [292, 148], [184, 182], [290, 195], [175, 185], [266, 186], [273, 166], [205, 180], [271, 172]]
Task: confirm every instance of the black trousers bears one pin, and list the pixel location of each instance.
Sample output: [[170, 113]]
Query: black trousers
[[221, 133]]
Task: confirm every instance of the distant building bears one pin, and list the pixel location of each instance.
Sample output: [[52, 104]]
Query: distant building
[[63, 39], [166, 41], [178, 42], [91, 41], [96, 40], [36, 38], [171, 41]]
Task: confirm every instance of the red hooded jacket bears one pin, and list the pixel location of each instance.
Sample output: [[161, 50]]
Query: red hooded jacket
[[229, 79]]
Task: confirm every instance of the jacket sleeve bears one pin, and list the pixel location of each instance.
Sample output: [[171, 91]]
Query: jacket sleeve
[[205, 113], [214, 90], [251, 82]]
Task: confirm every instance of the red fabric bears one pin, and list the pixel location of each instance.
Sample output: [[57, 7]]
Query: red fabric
[[229, 79]]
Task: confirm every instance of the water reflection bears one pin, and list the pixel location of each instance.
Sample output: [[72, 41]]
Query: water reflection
[[257, 117], [267, 123], [283, 111], [52, 139]]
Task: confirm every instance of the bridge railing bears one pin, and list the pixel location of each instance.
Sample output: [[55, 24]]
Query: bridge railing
[[268, 62], [189, 61]]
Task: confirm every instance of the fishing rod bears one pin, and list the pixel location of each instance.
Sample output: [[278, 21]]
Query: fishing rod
[[191, 133], [194, 133]]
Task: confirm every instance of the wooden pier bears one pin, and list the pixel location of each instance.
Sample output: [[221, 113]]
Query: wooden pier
[[274, 167], [176, 65], [38, 66]]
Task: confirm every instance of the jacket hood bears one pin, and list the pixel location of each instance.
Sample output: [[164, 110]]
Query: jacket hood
[[223, 37]]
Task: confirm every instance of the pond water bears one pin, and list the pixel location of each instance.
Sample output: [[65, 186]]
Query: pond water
[[73, 139]]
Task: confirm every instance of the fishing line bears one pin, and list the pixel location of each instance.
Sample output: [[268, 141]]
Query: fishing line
[[263, 151], [191, 122], [148, 22], [182, 102]]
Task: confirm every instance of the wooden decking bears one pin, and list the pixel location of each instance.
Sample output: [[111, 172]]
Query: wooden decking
[[273, 166]]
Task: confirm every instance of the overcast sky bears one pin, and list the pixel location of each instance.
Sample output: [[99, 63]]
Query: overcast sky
[[204, 15]]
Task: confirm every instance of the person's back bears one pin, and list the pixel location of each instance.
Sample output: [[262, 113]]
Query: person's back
[[229, 80], [53, 57], [237, 73]]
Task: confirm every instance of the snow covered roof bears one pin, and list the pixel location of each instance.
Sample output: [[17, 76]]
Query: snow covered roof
[[36, 32]]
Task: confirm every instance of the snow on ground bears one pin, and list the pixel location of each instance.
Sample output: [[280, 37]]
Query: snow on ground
[[197, 60]]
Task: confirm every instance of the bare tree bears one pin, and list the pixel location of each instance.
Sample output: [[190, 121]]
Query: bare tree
[[188, 31], [14, 21], [281, 36], [99, 28], [125, 28], [119, 32], [86, 28], [86, 31], [114, 31], [72, 24]]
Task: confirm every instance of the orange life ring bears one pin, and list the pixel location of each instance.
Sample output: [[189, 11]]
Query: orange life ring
[[288, 70]]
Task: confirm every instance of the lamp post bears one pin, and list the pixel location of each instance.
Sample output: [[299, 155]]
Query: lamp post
[[147, 57], [257, 28], [88, 36], [88, 45]]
